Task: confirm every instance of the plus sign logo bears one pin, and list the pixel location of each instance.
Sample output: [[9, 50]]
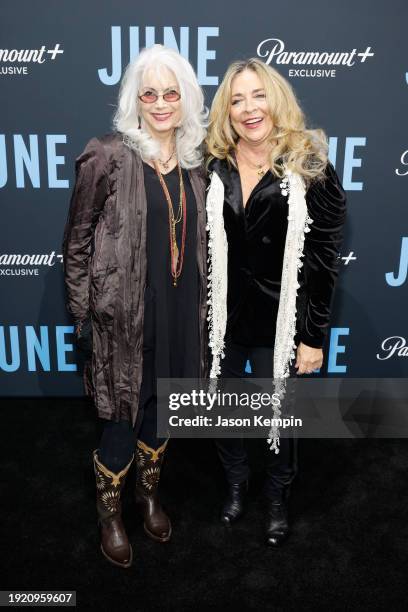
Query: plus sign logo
[[54, 52], [347, 258], [365, 54]]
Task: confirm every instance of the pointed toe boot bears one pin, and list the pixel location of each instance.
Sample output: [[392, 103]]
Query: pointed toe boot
[[115, 545], [149, 461]]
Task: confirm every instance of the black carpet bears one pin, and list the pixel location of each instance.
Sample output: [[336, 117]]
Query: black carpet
[[348, 549]]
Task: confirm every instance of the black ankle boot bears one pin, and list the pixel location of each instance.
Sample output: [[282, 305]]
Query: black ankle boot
[[233, 507], [277, 526]]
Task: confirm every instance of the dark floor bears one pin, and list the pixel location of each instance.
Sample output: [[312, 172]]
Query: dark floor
[[348, 550]]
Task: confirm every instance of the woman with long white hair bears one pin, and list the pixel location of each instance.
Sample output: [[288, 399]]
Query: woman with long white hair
[[273, 199], [135, 273]]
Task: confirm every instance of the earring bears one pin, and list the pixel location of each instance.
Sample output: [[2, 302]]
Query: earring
[[140, 122]]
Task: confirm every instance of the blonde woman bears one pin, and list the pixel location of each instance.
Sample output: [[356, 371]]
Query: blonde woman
[[273, 199], [135, 272]]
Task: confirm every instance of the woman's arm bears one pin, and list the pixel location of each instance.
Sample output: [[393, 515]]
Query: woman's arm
[[326, 202], [87, 201]]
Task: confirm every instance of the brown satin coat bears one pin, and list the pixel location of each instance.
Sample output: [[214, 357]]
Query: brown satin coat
[[105, 266]]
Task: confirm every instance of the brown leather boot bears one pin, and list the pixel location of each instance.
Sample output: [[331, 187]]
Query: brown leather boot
[[149, 462], [115, 545]]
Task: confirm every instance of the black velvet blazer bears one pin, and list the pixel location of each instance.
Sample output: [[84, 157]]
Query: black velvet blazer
[[256, 242]]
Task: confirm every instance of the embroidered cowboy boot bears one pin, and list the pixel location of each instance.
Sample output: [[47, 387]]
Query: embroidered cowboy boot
[[149, 462], [115, 545]]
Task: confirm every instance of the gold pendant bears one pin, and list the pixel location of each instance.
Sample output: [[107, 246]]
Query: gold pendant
[[176, 254]]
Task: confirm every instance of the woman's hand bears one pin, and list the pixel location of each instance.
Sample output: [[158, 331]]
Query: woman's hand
[[308, 359]]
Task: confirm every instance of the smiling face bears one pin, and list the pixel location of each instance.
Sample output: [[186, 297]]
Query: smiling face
[[249, 111], [161, 117]]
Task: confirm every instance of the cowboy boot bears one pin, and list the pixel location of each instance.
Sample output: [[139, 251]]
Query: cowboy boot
[[115, 545], [149, 462]]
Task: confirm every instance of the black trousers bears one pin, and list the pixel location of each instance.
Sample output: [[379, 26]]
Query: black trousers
[[118, 439], [281, 468]]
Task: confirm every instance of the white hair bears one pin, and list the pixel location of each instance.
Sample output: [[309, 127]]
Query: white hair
[[192, 130]]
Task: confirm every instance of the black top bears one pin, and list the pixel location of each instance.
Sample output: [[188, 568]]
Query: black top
[[260, 246], [171, 321], [256, 238]]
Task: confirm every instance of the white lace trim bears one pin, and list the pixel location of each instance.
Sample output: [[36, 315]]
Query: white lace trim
[[217, 272], [298, 225], [284, 351]]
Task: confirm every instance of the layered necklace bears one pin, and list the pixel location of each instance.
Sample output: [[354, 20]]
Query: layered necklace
[[176, 255]]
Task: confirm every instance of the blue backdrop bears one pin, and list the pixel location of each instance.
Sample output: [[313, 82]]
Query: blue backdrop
[[60, 70]]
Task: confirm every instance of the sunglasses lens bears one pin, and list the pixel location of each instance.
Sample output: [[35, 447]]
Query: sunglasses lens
[[171, 96], [148, 98]]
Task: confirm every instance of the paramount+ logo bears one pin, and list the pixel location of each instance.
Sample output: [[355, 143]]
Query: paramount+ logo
[[19, 61], [311, 63], [393, 346], [13, 264]]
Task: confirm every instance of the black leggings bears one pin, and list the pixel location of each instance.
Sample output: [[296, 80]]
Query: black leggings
[[118, 440], [281, 468]]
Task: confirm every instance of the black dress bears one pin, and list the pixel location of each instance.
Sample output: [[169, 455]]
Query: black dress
[[171, 326], [171, 346]]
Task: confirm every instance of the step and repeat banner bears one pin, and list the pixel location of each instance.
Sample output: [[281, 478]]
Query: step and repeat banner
[[60, 68]]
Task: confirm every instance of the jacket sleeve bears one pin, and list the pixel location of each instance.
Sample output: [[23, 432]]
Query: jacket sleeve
[[326, 203], [87, 201]]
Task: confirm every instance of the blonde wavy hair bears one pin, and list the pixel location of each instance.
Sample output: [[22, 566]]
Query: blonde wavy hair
[[301, 150]]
